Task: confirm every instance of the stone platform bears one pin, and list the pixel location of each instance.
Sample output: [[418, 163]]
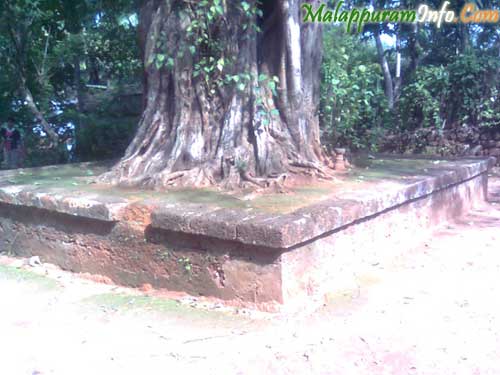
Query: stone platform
[[265, 252]]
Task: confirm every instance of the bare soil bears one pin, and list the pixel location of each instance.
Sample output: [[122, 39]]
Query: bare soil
[[432, 311]]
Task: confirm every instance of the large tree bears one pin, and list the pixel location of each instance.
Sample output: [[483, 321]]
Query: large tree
[[231, 94]]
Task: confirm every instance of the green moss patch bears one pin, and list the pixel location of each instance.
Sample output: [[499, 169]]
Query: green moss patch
[[80, 178], [23, 275], [140, 304]]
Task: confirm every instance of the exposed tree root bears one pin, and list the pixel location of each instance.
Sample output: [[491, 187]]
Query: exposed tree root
[[319, 171], [234, 179], [170, 178], [245, 176]]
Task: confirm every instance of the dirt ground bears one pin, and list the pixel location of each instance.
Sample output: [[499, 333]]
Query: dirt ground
[[434, 310]]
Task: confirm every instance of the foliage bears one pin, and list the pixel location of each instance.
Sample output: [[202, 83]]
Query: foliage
[[111, 48], [54, 49], [473, 90], [464, 92], [449, 77], [423, 99], [353, 106], [99, 137]]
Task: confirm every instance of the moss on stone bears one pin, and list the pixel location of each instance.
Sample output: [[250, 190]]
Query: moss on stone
[[80, 178], [69, 176]]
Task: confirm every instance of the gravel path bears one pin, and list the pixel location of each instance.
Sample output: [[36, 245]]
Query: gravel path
[[435, 310]]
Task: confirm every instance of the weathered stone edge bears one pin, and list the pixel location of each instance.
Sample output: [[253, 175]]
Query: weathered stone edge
[[284, 231], [250, 226], [82, 206]]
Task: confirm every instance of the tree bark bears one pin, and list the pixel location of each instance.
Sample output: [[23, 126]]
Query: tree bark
[[94, 71], [414, 49], [79, 87], [386, 71], [197, 129], [54, 138], [398, 80]]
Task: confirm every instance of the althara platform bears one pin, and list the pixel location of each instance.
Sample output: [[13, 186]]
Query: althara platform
[[267, 252]]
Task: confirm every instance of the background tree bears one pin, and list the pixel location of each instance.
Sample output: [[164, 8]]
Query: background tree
[[448, 77], [27, 30], [49, 53]]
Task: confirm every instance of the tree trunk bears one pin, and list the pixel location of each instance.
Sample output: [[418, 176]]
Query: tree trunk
[[414, 49], [79, 87], [94, 71], [54, 138], [388, 83], [398, 79], [231, 100]]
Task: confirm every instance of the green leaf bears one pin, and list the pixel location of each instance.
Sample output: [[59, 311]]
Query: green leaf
[[220, 64], [272, 86]]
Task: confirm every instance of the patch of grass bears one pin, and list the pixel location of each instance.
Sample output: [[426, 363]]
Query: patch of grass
[[22, 275], [140, 304], [286, 203], [391, 169], [186, 265], [201, 196], [120, 301], [66, 176], [163, 255]]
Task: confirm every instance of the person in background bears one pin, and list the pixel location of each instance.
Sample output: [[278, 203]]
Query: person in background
[[11, 142], [70, 148]]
